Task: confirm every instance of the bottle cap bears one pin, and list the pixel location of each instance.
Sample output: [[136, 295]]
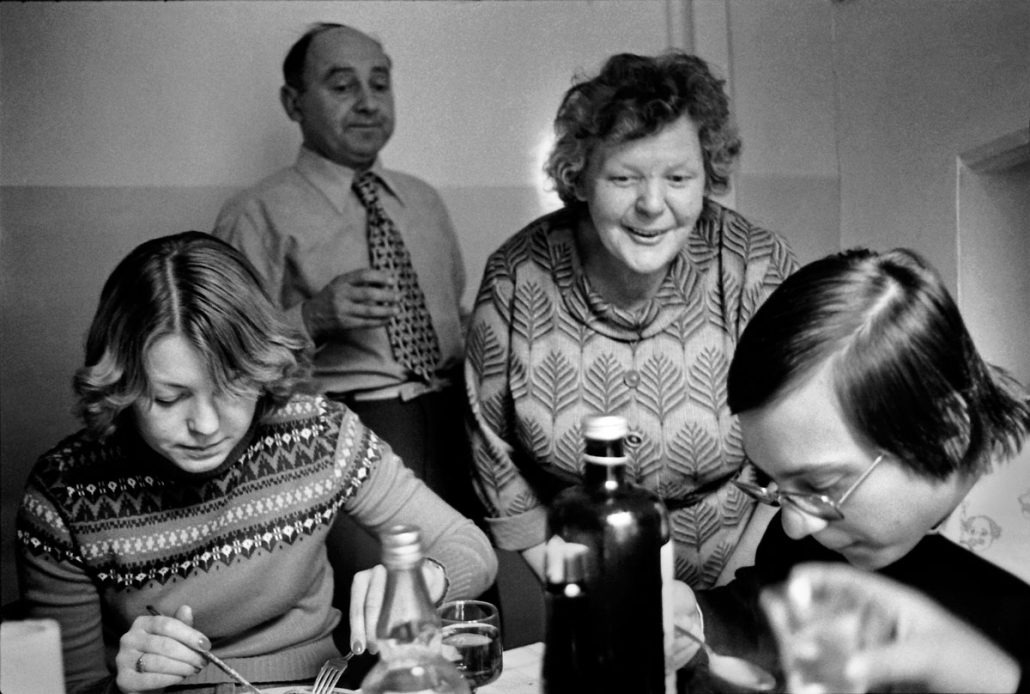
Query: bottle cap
[[605, 427], [401, 544]]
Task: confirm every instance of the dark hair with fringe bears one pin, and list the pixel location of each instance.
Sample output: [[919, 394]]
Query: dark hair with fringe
[[194, 285], [637, 96], [906, 373]]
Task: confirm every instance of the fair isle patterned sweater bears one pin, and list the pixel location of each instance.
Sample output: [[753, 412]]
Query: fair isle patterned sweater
[[545, 349], [106, 529]]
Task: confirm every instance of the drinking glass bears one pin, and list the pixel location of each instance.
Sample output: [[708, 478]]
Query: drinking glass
[[473, 629], [818, 629]]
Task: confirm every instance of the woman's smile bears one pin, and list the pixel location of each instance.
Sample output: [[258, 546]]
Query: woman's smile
[[646, 234]]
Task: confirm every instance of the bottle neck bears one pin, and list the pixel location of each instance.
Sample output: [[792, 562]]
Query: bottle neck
[[605, 448], [604, 461], [609, 475]]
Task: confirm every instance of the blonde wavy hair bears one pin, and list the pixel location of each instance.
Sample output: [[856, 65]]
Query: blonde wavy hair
[[194, 285]]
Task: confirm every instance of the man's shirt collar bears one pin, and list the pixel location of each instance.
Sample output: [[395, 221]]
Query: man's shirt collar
[[335, 180]]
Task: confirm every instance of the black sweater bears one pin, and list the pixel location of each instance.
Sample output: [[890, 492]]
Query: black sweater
[[981, 593]]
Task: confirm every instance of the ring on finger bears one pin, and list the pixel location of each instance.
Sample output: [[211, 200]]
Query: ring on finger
[[139, 663]]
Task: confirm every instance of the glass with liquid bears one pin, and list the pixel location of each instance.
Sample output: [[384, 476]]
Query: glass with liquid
[[472, 639], [818, 629]]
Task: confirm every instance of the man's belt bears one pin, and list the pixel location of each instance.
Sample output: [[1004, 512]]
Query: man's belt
[[402, 391]]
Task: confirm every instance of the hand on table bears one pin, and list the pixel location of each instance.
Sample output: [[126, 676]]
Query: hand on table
[[362, 298], [685, 615], [156, 652]]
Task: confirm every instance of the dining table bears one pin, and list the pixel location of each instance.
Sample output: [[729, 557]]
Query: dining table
[[521, 673]]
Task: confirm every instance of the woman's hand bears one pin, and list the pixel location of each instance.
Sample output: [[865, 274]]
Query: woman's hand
[[157, 652], [685, 615], [930, 645], [366, 601]]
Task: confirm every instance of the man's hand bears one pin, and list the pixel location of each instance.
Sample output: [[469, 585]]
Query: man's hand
[[363, 298]]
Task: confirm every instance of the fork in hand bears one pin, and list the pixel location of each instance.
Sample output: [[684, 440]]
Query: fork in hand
[[330, 674]]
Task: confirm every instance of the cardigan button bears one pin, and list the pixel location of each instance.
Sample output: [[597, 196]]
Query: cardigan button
[[631, 378]]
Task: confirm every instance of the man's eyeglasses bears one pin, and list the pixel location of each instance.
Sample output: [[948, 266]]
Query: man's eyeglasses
[[818, 505]]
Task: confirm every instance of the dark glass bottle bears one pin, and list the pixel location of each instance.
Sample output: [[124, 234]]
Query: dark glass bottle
[[570, 653], [623, 528], [408, 631]]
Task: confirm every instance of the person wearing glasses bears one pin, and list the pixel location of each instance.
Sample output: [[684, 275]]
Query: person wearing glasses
[[864, 403]]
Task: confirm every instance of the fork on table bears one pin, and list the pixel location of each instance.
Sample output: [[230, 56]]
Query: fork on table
[[330, 674]]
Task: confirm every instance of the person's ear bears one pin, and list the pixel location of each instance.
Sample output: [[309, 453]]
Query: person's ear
[[579, 188], [289, 97]]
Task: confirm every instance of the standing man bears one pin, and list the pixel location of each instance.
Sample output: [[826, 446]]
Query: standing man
[[365, 259]]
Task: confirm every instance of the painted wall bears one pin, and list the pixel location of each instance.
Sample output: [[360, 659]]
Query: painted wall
[[994, 262], [994, 297], [785, 90], [922, 81]]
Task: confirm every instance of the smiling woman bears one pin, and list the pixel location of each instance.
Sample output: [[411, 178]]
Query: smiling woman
[[627, 301], [644, 198]]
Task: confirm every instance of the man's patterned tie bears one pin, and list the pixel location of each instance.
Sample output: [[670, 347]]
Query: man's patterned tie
[[410, 330]]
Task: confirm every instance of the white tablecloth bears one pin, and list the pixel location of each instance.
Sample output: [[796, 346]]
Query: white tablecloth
[[521, 673]]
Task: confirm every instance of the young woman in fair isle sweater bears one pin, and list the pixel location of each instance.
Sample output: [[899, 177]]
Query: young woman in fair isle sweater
[[204, 486]]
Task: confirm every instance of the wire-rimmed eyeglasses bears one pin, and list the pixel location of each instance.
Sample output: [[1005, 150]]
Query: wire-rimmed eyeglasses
[[818, 505]]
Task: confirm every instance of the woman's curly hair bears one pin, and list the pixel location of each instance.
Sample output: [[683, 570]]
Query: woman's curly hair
[[194, 285], [636, 96]]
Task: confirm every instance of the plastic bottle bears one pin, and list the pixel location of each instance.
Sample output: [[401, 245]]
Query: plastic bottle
[[408, 631], [624, 529]]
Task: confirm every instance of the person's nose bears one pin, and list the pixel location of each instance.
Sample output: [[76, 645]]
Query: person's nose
[[203, 417], [366, 102], [650, 198], [797, 524]]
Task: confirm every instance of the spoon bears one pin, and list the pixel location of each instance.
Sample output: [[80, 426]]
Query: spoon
[[737, 671]]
